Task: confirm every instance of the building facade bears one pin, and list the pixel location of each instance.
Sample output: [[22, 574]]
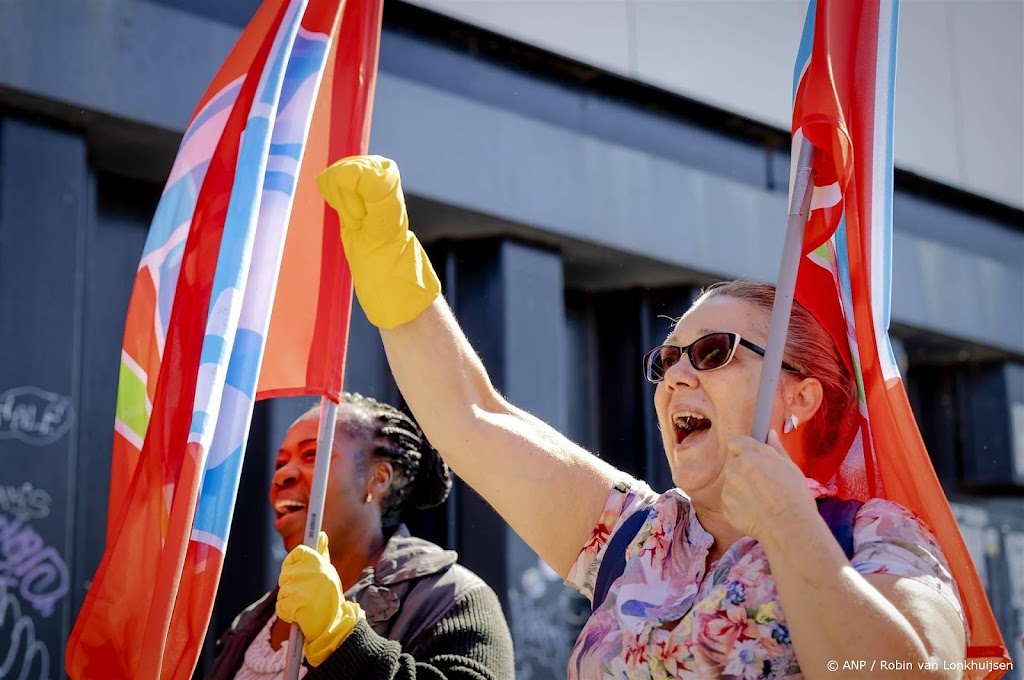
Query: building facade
[[571, 195]]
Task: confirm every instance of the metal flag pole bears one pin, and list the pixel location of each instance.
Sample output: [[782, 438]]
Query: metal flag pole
[[799, 209], [314, 515]]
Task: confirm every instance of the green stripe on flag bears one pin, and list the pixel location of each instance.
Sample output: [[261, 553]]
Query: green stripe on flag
[[131, 401], [862, 395]]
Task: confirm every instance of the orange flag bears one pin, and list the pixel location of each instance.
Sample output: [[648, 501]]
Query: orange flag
[[242, 293], [843, 105]]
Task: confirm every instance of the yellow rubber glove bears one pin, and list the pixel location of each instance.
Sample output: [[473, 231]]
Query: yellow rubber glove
[[311, 596], [392, 276]]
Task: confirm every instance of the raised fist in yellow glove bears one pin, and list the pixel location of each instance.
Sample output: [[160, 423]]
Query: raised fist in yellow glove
[[311, 596], [391, 273]]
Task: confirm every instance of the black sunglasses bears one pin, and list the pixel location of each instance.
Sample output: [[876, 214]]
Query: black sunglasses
[[707, 353]]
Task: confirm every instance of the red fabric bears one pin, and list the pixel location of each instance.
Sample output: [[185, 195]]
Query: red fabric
[[120, 630], [882, 454], [309, 327], [149, 604], [830, 95]]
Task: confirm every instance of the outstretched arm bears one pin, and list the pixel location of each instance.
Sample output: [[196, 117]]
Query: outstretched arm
[[548, 489]]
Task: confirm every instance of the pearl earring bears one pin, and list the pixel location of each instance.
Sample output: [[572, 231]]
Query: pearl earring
[[791, 424], [369, 497]]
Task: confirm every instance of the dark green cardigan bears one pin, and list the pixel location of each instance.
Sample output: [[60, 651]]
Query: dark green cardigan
[[426, 617]]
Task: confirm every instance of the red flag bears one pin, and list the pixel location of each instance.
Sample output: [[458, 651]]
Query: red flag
[[843, 106], [242, 292]]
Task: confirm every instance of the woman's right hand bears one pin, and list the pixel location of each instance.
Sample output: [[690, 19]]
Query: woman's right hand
[[392, 275], [311, 595]]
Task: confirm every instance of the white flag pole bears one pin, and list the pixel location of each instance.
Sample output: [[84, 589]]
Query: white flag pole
[[799, 209], [314, 515]]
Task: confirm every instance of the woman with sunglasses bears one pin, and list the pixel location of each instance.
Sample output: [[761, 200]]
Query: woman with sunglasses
[[734, 573]]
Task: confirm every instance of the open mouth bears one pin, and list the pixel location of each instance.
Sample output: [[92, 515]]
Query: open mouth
[[688, 425], [287, 507]]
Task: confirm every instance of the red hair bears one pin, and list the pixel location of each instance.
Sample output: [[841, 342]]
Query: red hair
[[809, 349]]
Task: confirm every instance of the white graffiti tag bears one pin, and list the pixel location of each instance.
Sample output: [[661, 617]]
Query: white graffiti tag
[[24, 651], [25, 501], [34, 416], [26, 562]]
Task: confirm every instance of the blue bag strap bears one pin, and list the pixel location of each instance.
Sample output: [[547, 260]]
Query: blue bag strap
[[840, 515], [614, 562]]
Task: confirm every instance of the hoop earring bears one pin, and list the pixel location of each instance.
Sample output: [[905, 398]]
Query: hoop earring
[[369, 497], [791, 424]]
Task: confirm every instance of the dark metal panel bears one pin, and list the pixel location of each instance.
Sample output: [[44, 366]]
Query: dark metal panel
[[993, 534], [509, 300], [933, 396], [580, 361], [44, 200], [778, 171], [1005, 517], [482, 535], [660, 308], [535, 350], [988, 444], [620, 392], [535, 379], [123, 209]]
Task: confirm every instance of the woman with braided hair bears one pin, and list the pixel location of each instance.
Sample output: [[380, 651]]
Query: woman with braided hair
[[406, 609]]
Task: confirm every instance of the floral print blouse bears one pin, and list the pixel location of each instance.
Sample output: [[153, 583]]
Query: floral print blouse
[[730, 621]]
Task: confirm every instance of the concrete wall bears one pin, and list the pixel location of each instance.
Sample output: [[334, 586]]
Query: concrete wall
[[565, 164], [959, 85], [960, 81]]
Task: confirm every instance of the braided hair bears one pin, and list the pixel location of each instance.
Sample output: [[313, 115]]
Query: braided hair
[[420, 478]]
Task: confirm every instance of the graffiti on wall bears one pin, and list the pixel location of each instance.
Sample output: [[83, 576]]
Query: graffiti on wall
[[22, 656], [34, 416], [25, 501], [33, 570], [546, 617]]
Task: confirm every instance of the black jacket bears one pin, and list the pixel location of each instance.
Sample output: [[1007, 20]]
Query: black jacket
[[426, 617]]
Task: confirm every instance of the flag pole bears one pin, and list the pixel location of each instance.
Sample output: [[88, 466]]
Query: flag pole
[[314, 515], [799, 209]]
